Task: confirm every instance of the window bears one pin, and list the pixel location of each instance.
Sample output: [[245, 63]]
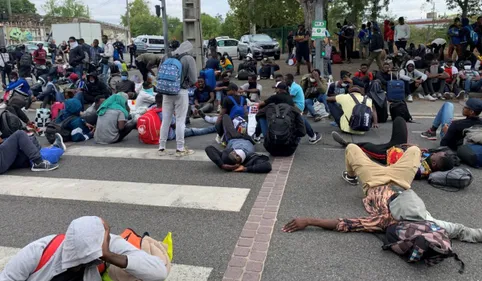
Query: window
[[221, 43], [231, 43], [261, 38], [144, 40], [156, 41]]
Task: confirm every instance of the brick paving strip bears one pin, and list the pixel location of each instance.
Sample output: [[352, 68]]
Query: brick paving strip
[[249, 256]]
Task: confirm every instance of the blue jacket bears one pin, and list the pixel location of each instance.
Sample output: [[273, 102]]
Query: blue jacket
[[454, 34], [21, 84]]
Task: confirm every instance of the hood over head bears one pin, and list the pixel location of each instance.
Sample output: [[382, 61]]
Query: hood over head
[[185, 48], [83, 242], [410, 62]]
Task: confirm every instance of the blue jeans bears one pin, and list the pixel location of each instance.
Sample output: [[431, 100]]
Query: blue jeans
[[219, 95], [471, 85], [105, 71], [444, 116], [191, 132], [79, 70], [309, 104], [263, 123], [271, 72]]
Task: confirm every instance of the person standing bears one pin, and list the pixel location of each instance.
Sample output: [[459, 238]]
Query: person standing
[[212, 46], [119, 46], [349, 38], [178, 104], [106, 56], [402, 33], [302, 38], [76, 56], [53, 50], [132, 52], [454, 36], [341, 40], [40, 55], [5, 66], [290, 43], [376, 47], [364, 38]]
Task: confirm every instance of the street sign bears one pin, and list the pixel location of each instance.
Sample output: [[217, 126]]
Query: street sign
[[318, 29]]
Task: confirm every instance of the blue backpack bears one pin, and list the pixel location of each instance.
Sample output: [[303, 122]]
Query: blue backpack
[[470, 154], [238, 109], [209, 76], [473, 37], [169, 77]]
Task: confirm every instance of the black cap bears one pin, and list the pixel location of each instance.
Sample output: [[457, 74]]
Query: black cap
[[281, 86], [473, 104], [232, 87], [72, 38]]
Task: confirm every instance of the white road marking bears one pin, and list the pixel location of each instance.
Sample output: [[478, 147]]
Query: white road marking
[[150, 194], [179, 272]]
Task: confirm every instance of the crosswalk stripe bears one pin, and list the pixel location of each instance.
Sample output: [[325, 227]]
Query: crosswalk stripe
[[150, 194], [179, 272]]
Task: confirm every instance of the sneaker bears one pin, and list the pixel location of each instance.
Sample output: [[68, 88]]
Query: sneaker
[[410, 98], [461, 95], [430, 98], [434, 95], [316, 138], [44, 166], [348, 179], [59, 142], [420, 96], [339, 139], [448, 95], [219, 108], [259, 77], [185, 152], [162, 152], [440, 96], [236, 76], [3, 106], [257, 139], [325, 115], [218, 139], [24, 110], [318, 118], [271, 77], [429, 135]]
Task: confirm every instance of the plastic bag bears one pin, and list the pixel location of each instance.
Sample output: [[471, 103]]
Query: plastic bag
[[168, 241]]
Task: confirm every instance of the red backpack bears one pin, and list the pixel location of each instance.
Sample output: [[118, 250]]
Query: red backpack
[[336, 58], [149, 126]]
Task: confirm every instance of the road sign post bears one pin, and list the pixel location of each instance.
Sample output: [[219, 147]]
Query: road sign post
[[318, 32]]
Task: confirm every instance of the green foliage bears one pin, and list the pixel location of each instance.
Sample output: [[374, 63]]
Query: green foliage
[[211, 26], [66, 8], [19, 6], [141, 20], [228, 28], [467, 7]]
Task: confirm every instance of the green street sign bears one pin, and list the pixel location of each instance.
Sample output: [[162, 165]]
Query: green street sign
[[318, 29]]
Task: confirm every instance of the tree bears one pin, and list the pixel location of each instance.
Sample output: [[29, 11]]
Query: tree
[[19, 7], [228, 27], [141, 19], [467, 7], [210, 26], [66, 8]]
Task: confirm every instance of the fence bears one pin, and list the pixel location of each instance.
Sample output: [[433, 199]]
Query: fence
[[280, 34]]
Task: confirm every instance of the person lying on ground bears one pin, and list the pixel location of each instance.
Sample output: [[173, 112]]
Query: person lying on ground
[[79, 129], [21, 151], [239, 155], [389, 153], [389, 198], [112, 125], [452, 132], [87, 243]]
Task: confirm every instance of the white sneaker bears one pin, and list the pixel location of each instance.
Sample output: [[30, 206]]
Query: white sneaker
[[430, 98], [440, 96], [218, 139], [162, 152], [3, 106], [24, 110], [219, 108], [410, 98], [185, 152], [259, 77], [434, 95], [271, 77], [420, 96], [236, 76]]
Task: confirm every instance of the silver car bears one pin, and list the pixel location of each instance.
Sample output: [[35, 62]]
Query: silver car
[[149, 44], [259, 45]]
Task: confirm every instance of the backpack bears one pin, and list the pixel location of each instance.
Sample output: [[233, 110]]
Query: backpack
[[473, 135], [149, 126], [169, 76], [61, 128], [421, 240], [25, 60], [238, 109], [336, 58], [56, 108], [399, 108], [365, 40], [209, 76], [453, 180], [473, 36], [9, 124], [280, 125], [361, 115], [470, 154], [42, 117]]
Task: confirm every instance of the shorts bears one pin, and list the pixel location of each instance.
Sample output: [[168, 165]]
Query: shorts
[[303, 54]]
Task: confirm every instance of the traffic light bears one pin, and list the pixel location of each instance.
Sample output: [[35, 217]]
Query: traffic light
[[158, 10]]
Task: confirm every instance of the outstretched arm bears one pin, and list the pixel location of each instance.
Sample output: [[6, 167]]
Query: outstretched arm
[[302, 223]]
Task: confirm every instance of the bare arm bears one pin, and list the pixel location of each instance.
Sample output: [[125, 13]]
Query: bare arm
[[301, 223]]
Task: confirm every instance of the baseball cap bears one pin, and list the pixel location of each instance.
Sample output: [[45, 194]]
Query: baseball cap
[[281, 86], [473, 104], [73, 77], [232, 87]]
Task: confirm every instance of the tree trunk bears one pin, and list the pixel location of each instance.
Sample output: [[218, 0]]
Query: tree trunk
[[464, 7], [309, 11]]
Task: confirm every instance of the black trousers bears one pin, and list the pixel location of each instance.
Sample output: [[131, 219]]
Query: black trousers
[[342, 47], [349, 48], [18, 112], [142, 67], [130, 125], [17, 151], [378, 152]]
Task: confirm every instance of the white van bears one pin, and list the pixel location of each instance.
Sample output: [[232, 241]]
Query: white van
[[149, 44]]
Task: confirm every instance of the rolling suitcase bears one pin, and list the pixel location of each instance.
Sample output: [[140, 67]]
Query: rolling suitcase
[[396, 90]]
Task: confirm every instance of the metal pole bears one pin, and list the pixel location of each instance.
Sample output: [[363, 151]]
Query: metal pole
[[319, 16], [128, 16], [9, 9], [165, 27]]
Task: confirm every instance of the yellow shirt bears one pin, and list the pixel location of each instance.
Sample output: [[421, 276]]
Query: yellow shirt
[[226, 64], [347, 104]]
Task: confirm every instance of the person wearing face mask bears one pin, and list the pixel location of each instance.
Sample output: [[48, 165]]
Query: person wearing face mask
[[21, 85], [413, 80], [147, 96], [252, 89], [436, 79], [341, 86], [472, 80], [125, 85], [314, 88], [76, 56], [267, 67], [93, 88]]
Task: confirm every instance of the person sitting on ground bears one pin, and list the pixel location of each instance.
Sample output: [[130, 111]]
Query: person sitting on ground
[[239, 155], [49, 94], [291, 136], [18, 84], [79, 128], [383, 202], [234, 105], [112, 125], [126, 85], [87, 243], [385, 75], [413, 79], [436, 79], [452, 89], [343, 112], [146, 97], [389, 153], [226, 65], [221, 90], [363, 77], [452, 132], [21, 151], [203, 97], [252, 89], [266, 63], [94, 87], [75, 82], [471, 79], [341, 86], [315, 88], [249, 64], [90, 114], [299, 99], [214, 63]]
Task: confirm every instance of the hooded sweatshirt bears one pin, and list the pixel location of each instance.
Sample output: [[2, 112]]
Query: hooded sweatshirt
[[405, 75], [82, 245], [402, 31], [189, 68]]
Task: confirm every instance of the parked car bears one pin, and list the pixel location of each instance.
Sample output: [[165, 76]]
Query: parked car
[[225, 45], [149, 44], [258, 45]]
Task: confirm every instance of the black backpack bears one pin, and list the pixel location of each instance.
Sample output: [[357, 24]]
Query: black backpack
[[399, 108], [361, 115], [25, 60], [61, 128], [9, 124], [280, 125]]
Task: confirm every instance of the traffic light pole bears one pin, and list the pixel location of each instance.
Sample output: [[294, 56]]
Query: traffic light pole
[[319, 16], [165, 27]]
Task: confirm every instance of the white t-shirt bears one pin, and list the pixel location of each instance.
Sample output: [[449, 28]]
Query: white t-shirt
[[439, 41]]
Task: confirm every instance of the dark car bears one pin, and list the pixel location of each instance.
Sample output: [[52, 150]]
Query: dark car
[[259, 45]]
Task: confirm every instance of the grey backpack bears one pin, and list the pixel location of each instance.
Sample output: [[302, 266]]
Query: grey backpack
[[453, 180]]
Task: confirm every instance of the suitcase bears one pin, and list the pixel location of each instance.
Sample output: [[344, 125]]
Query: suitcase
[[396, 90]]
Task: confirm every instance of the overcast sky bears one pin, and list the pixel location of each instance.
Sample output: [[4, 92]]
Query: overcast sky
[[110, 10]]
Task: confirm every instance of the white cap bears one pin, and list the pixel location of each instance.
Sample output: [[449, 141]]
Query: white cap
[[249, 55]]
